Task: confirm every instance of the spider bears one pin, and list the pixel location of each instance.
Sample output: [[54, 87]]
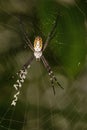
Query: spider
[[38, 50]]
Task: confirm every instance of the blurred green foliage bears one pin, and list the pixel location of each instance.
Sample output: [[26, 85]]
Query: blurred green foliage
[[69, 44], [66, 53], [68, 47]]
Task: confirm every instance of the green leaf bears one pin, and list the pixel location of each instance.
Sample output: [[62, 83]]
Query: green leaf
[[68, 47]]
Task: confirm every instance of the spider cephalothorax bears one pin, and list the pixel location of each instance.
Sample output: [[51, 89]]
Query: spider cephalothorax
[[38, 47]]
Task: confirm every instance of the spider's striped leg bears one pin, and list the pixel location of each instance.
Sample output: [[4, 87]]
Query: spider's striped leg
[[51, 34], [52, 83], [51, 72], [27, 64], [22, 75], [26, 37], [51, 78]]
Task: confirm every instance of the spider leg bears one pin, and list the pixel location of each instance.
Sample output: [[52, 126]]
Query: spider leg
[[26, 38], [27, 64], [22, 75], [52, 83], [51, 34], [51, 79], [51, 74]]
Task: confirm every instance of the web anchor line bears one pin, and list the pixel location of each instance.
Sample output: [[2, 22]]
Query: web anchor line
[[11, 110]]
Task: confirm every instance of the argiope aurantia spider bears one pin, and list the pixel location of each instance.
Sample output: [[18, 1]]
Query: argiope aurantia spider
[[38, 50]]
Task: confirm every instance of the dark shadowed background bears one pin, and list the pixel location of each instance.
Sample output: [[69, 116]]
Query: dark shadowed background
[[37, 107]]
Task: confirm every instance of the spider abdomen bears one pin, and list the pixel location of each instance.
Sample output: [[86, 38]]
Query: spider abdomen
[[38, 54]]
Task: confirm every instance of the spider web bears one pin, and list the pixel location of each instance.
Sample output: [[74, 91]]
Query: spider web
[[42, 109]]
